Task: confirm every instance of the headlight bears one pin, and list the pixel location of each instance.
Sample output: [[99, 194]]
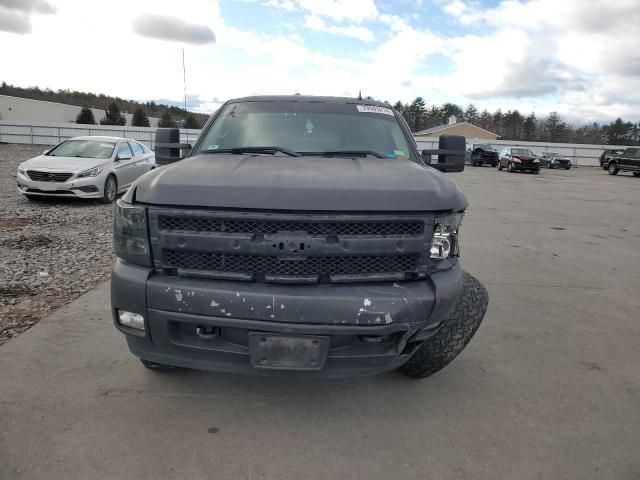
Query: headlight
[[130, 241], [93, 172], [445, 244]]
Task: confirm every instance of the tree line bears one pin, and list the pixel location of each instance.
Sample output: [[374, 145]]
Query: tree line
[[168, 114], [113, 116], [513, 125]]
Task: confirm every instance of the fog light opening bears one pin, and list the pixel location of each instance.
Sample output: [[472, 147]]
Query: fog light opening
[[131, 320]]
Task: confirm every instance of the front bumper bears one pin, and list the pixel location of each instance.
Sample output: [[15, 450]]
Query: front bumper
[[89, 187], [526, 167], [371, 328]]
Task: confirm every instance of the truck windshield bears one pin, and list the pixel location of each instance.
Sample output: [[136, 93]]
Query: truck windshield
[[308, 128]]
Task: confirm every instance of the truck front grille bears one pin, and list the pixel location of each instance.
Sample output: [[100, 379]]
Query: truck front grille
[[290, 247], [314, 228], [48, 176], [304, 266]]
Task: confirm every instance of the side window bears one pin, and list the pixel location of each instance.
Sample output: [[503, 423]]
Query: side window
[[136, 148], [124, 148]]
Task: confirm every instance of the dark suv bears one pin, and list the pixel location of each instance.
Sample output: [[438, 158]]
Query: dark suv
[[627, 161], [479, 154], [606, 156], [300, 234]]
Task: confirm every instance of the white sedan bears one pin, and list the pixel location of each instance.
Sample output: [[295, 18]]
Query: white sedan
[[86, 167]]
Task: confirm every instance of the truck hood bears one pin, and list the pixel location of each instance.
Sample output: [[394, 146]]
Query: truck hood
[[298, 183]]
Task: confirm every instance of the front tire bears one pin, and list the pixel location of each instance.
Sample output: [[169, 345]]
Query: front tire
[[454, 334], [613, 168], [110, 191]]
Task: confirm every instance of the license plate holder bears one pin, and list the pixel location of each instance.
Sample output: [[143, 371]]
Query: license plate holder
[[47, 186], [288, 352]]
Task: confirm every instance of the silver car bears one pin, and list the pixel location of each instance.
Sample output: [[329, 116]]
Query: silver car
[[86, 167]]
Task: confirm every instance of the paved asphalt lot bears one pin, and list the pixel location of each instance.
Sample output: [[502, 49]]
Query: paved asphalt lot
[[548, 389]]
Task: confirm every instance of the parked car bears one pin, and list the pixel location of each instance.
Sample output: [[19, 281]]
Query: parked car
[[85, 167], [478, 154], [627, 161], [554, 160], [256, 254], [606, 155], [517, 159]]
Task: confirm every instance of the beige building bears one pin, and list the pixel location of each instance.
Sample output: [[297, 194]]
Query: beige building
[[457, 128]]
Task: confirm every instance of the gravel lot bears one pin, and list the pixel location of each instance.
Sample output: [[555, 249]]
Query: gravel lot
[[53, 250]]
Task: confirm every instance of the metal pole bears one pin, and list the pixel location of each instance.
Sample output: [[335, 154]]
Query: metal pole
[[184, 81]]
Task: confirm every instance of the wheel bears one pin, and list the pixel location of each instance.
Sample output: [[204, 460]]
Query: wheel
[[636, 174], [510, 168], [454, 334], [613, 168], [500, 167], [158, 367], [110, 190]]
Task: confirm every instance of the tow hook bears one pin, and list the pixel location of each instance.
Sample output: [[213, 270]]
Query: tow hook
[[207, 332]]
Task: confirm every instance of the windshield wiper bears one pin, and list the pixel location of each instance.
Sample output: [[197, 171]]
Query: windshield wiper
[[241, 150], [346, 153]]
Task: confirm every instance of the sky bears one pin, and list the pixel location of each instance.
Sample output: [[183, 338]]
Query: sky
[[577, 57]]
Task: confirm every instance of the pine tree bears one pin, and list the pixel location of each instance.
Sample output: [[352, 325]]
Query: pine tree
[[471, 114], [529, 128], [139, 118], [191, 122], [166, 121], [85, 117], [554, 128], [113, 116]]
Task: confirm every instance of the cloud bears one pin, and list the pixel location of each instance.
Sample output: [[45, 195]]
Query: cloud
[[172, 29], [319, 25], [28, 6], [14, 22], [353, 11]]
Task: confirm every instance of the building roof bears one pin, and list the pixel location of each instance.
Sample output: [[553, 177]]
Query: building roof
[[428, 131]]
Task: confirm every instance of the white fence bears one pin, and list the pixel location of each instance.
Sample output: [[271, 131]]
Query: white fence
[[54, 133], [580, 154]]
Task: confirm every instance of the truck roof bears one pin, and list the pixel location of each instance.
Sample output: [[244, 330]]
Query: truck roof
[[307, 98]]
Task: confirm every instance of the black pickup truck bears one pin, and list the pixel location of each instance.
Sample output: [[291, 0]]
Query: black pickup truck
[[627, 161], [300, 235]]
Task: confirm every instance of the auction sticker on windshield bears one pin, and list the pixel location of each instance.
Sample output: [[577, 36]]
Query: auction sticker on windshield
[[374, 109]]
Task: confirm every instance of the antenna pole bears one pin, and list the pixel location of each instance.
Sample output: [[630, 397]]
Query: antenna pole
[[184, 81]]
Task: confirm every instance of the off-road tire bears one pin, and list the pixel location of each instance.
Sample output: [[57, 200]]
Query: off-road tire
[[613, 168], [109, 196], [455, 332], [158, 367]]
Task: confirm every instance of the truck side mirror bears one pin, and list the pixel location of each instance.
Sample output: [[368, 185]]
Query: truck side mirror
[[168, 148], [450, 154]]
